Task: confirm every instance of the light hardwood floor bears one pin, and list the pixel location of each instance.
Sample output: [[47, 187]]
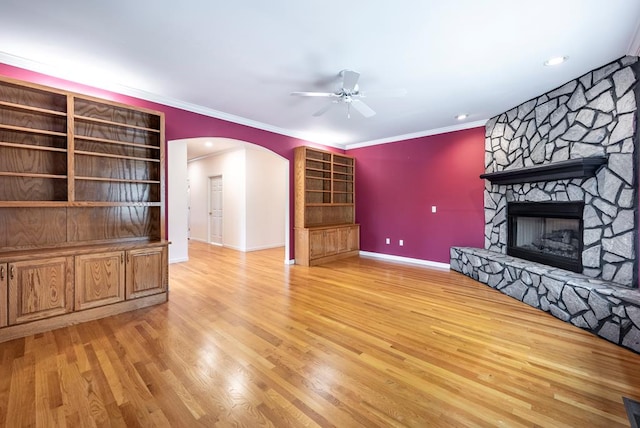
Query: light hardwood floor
[[248, 341]]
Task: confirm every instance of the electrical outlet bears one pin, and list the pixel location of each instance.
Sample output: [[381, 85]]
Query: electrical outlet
[[433, 208], [401, 242], [388, 241]]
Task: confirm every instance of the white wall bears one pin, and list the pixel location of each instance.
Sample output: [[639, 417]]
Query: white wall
[[254, 198], [177, 202], [267, 194], [231, 166]]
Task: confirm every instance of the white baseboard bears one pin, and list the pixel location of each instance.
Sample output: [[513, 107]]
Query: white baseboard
[[429, 263], [233, 247], [179, 260], [290, 262], [265, 247], [198, 239]]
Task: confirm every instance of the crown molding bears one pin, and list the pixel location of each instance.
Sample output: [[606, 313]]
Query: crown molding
[[420, 134], [53, 71]]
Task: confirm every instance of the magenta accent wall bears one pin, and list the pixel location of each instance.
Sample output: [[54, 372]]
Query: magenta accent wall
[[183, 124], [398, 183]]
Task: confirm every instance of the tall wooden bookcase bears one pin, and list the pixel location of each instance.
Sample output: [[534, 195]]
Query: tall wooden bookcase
[[82, 222], [325, 226]]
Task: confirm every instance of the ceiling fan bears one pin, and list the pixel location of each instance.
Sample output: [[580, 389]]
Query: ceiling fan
[[348, 94]]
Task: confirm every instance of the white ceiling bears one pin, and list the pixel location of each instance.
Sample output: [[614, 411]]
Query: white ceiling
[[239, 60]]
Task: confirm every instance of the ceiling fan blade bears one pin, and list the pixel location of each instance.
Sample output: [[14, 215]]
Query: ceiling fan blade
[[324, 109], [314, 94], [349, 79], [392, 93], [362, 108]]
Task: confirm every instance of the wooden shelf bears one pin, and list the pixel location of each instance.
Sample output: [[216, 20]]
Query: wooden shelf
[[33, 109], [31, 175], [74, 204], [32, 147], [83, 204], [34, 204], [33, 130], [318, 170], [117, 180], [108, 141], [110, 122], [109, 155]]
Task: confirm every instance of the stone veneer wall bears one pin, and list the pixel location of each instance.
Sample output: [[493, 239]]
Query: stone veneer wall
[[595, 114]]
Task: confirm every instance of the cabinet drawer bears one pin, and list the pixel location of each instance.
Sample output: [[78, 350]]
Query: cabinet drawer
[[40, 289]]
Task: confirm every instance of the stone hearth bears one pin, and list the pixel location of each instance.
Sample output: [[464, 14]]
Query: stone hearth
[[601, 307]]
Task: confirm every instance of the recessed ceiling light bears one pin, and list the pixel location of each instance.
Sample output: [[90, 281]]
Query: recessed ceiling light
[[556, 60], [461, 116], [208, 144]]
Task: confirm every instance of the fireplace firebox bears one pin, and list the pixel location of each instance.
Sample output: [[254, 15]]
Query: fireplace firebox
[[546, 232]]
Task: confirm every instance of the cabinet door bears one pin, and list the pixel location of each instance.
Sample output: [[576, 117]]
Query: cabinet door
[[354, 238], [348, 239], [4, 283], [344, 239], [40, 289], [99, 279], [316, 244], [146, 272], [330, 241]]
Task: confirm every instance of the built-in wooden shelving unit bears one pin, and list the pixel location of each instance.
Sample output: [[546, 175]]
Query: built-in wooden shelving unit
[[82, 222], [324, 206]]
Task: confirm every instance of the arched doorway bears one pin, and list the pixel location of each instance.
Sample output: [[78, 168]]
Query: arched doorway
[[256, 199]]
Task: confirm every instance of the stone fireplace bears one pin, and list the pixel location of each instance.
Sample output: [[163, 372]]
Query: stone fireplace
[[590, 118], [561, 204]]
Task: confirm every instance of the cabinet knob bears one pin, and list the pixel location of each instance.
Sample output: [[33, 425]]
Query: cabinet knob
[[12, 272], [1, 273]]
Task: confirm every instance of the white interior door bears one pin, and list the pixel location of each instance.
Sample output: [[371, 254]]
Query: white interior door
[[215, 210]]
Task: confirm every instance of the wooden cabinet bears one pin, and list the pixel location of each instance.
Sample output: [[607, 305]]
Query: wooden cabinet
[[323, 244], [146, 272], [324, 206], [82, 178], [99, 279], [40, 289]]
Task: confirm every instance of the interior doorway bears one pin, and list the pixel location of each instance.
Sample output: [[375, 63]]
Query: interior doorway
[[255, 196], [215, 210]]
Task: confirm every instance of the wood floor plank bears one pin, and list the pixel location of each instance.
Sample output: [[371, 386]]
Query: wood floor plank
[[246, 340]]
